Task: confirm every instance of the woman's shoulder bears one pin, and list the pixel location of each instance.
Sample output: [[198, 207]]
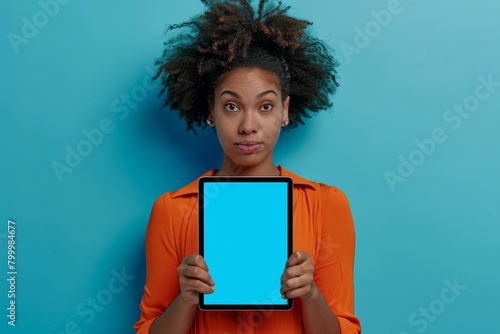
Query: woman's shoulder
[[179, 200], [320, 188], [190, 189]]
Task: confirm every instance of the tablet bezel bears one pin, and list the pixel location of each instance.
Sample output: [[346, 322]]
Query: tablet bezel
[[255, 179]]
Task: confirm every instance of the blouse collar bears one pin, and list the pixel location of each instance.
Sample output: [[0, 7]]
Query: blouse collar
[[192, 188]]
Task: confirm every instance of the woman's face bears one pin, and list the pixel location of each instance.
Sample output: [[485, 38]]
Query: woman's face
[[248, 112]]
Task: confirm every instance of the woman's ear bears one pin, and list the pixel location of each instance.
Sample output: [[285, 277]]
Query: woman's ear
[[210, 117], [286, 105]]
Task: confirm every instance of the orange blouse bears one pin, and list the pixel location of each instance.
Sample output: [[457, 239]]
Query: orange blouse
[[323, 228]]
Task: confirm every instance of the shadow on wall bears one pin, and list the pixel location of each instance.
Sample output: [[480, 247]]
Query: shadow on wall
[[188, 153]]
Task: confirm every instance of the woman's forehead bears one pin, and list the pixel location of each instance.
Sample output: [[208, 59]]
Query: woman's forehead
[[248, 79]]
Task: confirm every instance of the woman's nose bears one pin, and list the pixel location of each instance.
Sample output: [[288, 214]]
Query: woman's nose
[[248, 123]]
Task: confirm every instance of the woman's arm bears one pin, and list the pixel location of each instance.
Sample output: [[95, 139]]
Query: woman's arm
[[334, 263], [179, 316], [193, 279], [327, 290], [317, 315], [172, 288], [298, 282]]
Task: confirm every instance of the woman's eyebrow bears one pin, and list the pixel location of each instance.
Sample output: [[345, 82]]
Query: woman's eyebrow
[[266, 92], [236, 95]]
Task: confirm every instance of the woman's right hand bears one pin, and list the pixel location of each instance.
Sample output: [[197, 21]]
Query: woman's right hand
[[194, 278]]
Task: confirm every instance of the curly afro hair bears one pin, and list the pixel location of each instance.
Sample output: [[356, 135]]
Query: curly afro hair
[[232, 34]]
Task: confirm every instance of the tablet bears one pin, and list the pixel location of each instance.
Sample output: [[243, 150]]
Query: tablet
[[245, 237]]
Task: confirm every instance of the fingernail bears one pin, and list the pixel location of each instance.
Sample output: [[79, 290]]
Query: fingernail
[[212, 282]]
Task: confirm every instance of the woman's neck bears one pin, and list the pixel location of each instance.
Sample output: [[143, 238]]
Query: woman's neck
[[233, 169]]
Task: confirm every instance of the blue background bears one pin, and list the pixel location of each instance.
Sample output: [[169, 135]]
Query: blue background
[[246, 241], [88, 64]]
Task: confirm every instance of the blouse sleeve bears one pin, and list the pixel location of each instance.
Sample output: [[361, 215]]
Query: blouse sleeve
[[334, 265], [162, 283]]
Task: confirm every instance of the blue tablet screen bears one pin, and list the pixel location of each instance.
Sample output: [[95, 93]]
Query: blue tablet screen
[[245, 241]]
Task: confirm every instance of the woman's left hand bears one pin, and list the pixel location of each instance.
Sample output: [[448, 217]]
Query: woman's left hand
[[297, 280]]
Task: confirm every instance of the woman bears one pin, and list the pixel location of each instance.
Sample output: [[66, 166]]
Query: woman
[[249, 74]]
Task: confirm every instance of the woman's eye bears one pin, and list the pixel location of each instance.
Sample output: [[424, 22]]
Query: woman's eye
[[231, 107], [267, 107]]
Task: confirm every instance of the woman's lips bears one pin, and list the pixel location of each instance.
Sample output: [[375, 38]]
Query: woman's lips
[[248, 146]]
